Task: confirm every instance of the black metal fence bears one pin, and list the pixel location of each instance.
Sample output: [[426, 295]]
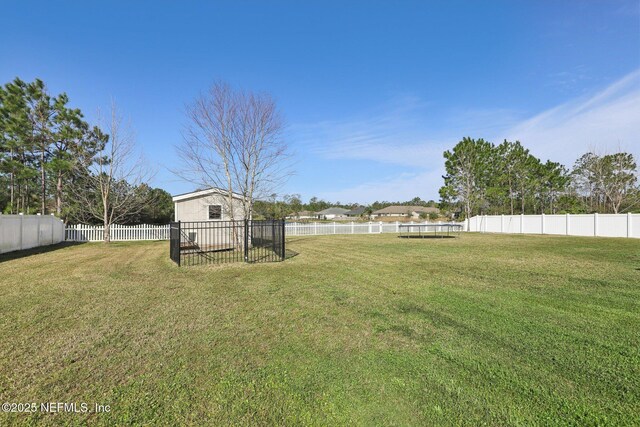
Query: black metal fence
[[218, 242]]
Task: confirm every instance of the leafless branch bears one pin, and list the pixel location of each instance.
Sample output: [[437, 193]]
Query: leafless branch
[[234, 141], [111, 188]]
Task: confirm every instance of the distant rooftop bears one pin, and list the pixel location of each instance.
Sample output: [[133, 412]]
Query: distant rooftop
[[356, 211], [405, 210], [333, 211]]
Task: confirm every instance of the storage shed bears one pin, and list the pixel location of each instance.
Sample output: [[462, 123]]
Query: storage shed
[[207, 205]]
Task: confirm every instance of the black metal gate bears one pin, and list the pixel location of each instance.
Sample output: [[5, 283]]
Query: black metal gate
[[217, 242], [174, 242], [265, 241]]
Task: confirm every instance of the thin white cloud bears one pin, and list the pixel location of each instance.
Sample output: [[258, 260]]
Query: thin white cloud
[[401, 134], [608, 120], [403, 187], [407, 135]]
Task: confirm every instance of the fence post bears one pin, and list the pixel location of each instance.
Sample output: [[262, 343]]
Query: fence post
[[246, 240], [273, 236], [629, 219], [397, 226], [542, 221], [21, 218], [52, 234], [369, 227], [595, 224], [353, 231], [568, 222], [334, 227], [502, 223], [179, 240], [38, 228], [283, 237], [521, 223], [315, 228], [380, 231]]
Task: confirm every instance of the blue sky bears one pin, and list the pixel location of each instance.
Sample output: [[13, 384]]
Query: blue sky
[[372, 91]]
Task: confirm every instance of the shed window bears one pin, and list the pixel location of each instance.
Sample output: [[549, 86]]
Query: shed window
[[215, 211]]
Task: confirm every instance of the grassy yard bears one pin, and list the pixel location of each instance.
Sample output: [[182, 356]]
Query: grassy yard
[[365, 330]]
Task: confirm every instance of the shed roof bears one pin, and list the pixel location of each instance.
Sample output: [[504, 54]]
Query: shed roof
[[203, 193]]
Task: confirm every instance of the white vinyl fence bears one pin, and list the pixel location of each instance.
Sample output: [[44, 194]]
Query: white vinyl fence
[[606, 225], [94, 233], [323, 228], [603, 225], [19, 232]]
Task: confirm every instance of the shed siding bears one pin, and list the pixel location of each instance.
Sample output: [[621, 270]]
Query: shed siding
[[197, 208]]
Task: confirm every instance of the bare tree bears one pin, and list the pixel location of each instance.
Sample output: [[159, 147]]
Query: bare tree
[[233, 141], [111, 189]]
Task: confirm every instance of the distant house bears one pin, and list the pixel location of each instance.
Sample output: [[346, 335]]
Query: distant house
[[207, 205], [356, 211], [302, 215], [412, 212], [332, 213]]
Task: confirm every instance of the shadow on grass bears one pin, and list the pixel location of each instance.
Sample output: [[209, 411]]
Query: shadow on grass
[[428, 236], [297, 239], [36, 251], [288, 253]]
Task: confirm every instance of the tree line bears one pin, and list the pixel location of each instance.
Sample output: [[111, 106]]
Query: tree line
[[280, 206], [52, 160], [483, 178]]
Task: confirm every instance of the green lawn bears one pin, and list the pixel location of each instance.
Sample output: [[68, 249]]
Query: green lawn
[[364, 330]]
